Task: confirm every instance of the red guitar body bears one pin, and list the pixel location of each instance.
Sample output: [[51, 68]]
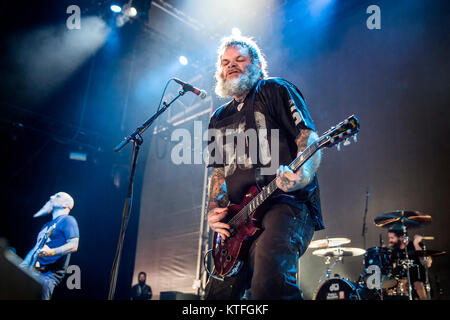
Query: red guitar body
[[227, 252]]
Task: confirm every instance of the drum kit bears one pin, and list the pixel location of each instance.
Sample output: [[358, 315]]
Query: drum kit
[[385, 276]]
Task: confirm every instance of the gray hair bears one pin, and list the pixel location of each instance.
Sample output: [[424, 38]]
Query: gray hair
[[255, 53]]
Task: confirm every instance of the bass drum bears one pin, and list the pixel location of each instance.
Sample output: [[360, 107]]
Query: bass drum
[[337, 289]]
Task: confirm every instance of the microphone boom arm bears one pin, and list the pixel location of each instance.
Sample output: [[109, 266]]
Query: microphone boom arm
[[136, 135]]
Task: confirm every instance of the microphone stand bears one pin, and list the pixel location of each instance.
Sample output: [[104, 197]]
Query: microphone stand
[[137, 141], [364, 228]]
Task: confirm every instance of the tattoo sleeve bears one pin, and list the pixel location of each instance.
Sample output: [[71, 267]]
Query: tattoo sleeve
[[217, 196], [307, 171]]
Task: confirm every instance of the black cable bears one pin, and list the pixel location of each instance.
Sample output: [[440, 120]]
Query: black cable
[[160, 101], [162, 96], [206, 266]]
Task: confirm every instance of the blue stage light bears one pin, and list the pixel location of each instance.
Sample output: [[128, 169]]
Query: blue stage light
[[115, 8], [183, 60], [317, 7]]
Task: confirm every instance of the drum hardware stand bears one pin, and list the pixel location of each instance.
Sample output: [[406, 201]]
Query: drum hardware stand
[[329, 269], [427, 282], [407, 263]]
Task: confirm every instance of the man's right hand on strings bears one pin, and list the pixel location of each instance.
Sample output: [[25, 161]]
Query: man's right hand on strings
[[214, 221]]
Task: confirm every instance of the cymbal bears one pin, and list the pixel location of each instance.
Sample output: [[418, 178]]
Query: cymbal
[[396, 219], [429, 253], [339, 252], [329, 242]]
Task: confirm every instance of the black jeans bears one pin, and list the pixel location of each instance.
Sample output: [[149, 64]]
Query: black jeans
[[271, 268]]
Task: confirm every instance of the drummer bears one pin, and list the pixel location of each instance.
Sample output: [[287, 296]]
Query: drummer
[[417, 273]]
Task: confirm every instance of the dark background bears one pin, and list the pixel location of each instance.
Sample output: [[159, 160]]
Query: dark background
[[83, 90]]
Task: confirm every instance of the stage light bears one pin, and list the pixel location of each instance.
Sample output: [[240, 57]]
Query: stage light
[[78, 156], [183, 60], [236, 32], [115, 8], [317, 7], [132, 12]]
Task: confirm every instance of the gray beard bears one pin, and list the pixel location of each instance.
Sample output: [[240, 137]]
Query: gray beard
[[239, 86]]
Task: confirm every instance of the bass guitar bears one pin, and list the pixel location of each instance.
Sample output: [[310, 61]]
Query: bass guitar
[[33, 263]]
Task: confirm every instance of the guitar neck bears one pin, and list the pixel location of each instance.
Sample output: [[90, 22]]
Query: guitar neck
[[334, 136], [267, 191], [304, 156], [35, 256]]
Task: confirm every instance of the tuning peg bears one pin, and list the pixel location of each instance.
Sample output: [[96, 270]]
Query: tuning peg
[[346, 142], [355, 138], [338, 146]]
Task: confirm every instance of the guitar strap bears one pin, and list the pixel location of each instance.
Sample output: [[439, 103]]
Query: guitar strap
[[35, 258], [250, 123]]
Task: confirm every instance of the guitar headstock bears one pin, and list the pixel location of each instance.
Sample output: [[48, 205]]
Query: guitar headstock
[[340, 133]]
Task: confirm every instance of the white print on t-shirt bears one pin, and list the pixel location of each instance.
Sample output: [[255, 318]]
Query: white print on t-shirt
[[229, 147], [294, 111], [42, 234]]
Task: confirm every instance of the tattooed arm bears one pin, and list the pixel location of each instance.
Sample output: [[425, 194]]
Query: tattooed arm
[[288, 180], [217, 199], [217, 194]]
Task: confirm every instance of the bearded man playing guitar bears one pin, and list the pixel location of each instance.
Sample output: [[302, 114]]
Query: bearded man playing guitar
[[276, 110]]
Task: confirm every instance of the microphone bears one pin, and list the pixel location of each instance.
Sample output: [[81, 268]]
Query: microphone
[[189, 87], [46, 209]]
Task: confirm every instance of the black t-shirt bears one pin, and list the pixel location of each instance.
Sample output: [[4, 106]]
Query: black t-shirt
[[252, 143], [417, 272], [141, 292]]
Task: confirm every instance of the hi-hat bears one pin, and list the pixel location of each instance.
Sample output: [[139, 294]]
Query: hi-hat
[[329, 242], [339, 252], [400, 218]]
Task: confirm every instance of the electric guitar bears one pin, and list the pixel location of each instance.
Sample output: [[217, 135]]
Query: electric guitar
[[33, 263], [245, 217]]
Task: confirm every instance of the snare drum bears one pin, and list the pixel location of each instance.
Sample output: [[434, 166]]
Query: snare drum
[[336, 289]]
